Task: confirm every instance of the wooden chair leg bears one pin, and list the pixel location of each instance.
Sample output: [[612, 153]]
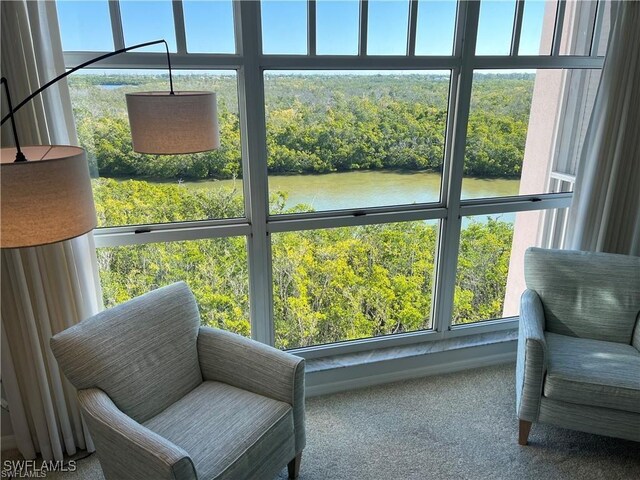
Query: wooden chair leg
[[523, 434], [294, 466]]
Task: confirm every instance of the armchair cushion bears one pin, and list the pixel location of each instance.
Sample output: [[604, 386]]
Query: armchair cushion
[[592, 372], [229, 432], [586, 294]]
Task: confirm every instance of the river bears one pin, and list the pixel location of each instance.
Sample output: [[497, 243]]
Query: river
[[359, 189]]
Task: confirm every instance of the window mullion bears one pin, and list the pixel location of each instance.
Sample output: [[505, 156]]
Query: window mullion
[[364, 25], [116, 24], [178, 22], [449, 238], [254, 157], [311, 27], [517, 27], [597, 29], [557, 34], [413, 26]]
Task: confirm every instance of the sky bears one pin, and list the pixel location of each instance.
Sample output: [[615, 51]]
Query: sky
[[86, 26]]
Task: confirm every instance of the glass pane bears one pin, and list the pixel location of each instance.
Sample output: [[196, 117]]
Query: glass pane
[[354, 139], [538, 23], [435, 27], [388, 27], [284, 27], [148, 21], [490, 275], [352, 282], [209, 26], [495, 27], [496, 134], [337, 27], [215, 270], [524, 128], [85, 26], [133, 188], [572, 114]]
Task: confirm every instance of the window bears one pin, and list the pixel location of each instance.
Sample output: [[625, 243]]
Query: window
[[435, 28], [353, 139], [349, 283], [209, 26], [490, 273], [284, 26], [215, 270], [131, 188], [512, 120], [337, 27], [161, 26], [388, 27], [85, 26], [495, 27], [384, 165], [535, 39]]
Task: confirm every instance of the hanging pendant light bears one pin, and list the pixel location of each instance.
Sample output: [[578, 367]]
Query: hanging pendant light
[[166, 123]]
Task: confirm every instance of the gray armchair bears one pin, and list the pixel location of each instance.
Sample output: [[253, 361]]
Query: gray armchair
[[578, 363], [167, 399]]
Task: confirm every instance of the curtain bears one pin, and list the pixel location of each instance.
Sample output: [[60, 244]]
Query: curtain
[[605, 214], [43, 289]]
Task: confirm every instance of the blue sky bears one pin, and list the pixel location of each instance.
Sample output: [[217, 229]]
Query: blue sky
[[85, 25]]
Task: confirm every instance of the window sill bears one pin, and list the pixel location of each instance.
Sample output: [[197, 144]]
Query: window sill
[[342, 372]]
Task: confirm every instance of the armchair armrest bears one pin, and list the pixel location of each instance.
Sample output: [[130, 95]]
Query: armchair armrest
[[127, 449], [258, 368], [532, 357]]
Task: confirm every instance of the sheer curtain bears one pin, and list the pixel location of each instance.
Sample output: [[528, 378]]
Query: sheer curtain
[[605, 215], [43, 289]]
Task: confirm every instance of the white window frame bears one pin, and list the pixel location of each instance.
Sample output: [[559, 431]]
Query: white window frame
[[258, 224]]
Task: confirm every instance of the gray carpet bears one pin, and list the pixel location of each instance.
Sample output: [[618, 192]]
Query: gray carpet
[[456, 426]]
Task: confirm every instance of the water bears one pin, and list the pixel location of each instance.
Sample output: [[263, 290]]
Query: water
[[112, 86], [361, 189]]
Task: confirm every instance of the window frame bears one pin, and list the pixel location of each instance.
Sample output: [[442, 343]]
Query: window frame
[[250, 64]]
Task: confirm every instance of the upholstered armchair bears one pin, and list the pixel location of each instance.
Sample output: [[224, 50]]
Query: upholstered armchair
[[578, 363], [165, 398]]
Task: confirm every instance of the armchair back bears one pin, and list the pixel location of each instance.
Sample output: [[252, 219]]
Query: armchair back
[[143, 353], [586, 294]]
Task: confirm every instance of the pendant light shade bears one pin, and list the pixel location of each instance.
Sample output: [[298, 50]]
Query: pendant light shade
[[46, 199], [164, 123]]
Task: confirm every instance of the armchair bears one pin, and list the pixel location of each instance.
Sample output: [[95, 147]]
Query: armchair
[[165, 398], [578, 360]]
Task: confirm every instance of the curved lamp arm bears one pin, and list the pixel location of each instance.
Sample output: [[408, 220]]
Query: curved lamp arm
[[19, 155]]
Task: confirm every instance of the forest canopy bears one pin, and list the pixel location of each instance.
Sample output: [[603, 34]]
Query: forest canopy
[[319, 124]]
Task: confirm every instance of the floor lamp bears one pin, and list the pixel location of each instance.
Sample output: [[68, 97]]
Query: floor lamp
[[46, 197], [46, 190]]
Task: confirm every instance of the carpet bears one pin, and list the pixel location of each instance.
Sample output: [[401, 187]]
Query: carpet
[[455, 426]]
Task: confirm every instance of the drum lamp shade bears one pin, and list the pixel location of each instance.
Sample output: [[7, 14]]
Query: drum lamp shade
[[46, 199], [165, 123]]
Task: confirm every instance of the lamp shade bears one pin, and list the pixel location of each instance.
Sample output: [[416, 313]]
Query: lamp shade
[[46, 199], [163, 123]]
